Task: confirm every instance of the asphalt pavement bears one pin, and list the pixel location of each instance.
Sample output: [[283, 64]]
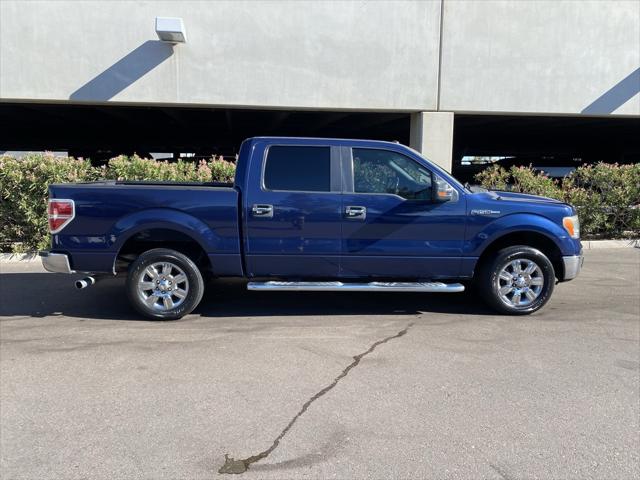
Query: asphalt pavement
[[440, 386]]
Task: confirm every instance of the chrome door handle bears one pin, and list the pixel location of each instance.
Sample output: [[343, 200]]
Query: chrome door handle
[[355, 212], [261, 210]]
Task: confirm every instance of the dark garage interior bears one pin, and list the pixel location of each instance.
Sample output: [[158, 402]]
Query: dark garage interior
[[100, 132]]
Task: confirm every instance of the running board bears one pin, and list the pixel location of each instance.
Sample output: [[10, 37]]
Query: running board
[[433, 287]]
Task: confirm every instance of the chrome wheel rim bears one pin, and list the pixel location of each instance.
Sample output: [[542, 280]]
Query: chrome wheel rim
[[519, 283], [163, 286]]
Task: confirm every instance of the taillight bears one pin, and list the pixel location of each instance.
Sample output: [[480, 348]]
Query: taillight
[[61, 212]]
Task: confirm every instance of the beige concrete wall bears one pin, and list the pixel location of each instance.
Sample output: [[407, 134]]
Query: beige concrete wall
[[432, 135], [541, 56], [516, 56], [355, 55]]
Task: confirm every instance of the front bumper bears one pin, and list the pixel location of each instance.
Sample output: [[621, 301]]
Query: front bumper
[[572, 266], [56, 262]]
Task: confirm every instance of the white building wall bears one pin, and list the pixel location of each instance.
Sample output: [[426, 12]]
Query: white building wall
[[541, 56], [330, 55], [432, 135], [515, 56]]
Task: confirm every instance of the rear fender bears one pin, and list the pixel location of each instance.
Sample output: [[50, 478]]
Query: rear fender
[[165, 218]]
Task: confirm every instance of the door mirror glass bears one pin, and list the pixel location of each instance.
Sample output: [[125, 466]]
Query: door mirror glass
[[443, 191]]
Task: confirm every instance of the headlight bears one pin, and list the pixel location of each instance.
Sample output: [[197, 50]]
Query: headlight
[[572, 226]]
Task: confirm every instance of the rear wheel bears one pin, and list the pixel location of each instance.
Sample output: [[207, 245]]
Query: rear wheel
[[518, 281], [164, 284]]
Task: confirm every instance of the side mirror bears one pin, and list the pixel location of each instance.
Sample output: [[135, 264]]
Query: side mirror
[[443, 191]]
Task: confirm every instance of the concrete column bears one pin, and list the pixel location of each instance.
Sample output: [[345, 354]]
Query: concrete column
[[432, 135]]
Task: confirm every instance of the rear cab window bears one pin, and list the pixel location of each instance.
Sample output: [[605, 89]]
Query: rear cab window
[[297, 168]]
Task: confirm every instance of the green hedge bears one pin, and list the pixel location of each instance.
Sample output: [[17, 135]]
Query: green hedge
[[607, 196], [24, 187]]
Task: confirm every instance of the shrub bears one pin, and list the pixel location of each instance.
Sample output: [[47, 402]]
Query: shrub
[[607, 196], [221, 170], [24, 187], [136, 168], [23, 194]]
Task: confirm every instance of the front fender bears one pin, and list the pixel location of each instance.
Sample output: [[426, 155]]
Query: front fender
[[481, 238]]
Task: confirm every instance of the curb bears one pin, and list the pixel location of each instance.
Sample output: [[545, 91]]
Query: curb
[[586, 245], [597, 244], [18, 257]]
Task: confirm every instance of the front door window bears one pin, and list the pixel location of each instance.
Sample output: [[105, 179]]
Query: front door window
[[384, 171]]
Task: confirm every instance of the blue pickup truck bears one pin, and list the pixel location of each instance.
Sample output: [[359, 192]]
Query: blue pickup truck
[[315, 214]]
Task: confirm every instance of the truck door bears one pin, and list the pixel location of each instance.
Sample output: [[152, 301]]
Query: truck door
[[292, 211], [392, 226]]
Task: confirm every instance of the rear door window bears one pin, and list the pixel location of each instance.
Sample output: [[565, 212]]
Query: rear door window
[[296, 168]]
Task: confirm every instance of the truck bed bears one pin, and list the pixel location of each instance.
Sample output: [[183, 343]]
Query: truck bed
[[107, 213]]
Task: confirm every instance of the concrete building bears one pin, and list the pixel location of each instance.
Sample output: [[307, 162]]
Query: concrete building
[[524, 78]]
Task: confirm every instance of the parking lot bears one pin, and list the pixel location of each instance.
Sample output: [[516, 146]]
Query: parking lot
[[89, 390]]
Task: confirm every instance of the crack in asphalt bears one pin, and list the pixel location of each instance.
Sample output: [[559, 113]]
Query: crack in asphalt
[[234, 466], [500, 472]]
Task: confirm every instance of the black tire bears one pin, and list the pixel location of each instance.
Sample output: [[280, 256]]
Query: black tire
[[489, 282], [181, 267]]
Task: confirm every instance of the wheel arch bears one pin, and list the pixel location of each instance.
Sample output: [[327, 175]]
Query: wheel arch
[[161, 228], [529, 238]]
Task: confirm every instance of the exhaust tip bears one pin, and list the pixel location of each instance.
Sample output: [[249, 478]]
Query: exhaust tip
[[85, 282]]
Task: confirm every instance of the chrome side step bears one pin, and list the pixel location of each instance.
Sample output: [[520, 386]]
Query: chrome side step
[[433, 287]]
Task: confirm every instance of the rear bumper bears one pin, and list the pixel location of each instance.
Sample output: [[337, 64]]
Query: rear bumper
[[56, 262], [572, 266]]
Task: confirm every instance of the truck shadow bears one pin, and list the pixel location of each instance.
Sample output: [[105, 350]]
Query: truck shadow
[[45, 294], [231, 299]]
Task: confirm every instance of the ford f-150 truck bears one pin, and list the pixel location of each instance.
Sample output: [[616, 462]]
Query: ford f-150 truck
[[315, 214]]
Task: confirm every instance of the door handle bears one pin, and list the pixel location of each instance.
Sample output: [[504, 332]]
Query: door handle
[[356, 212], [261, 210]]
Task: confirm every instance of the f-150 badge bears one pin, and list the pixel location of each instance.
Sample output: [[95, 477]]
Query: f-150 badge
[[484, 212]]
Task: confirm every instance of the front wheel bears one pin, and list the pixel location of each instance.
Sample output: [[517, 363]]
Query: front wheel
[[518, 281], [164, 284]]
